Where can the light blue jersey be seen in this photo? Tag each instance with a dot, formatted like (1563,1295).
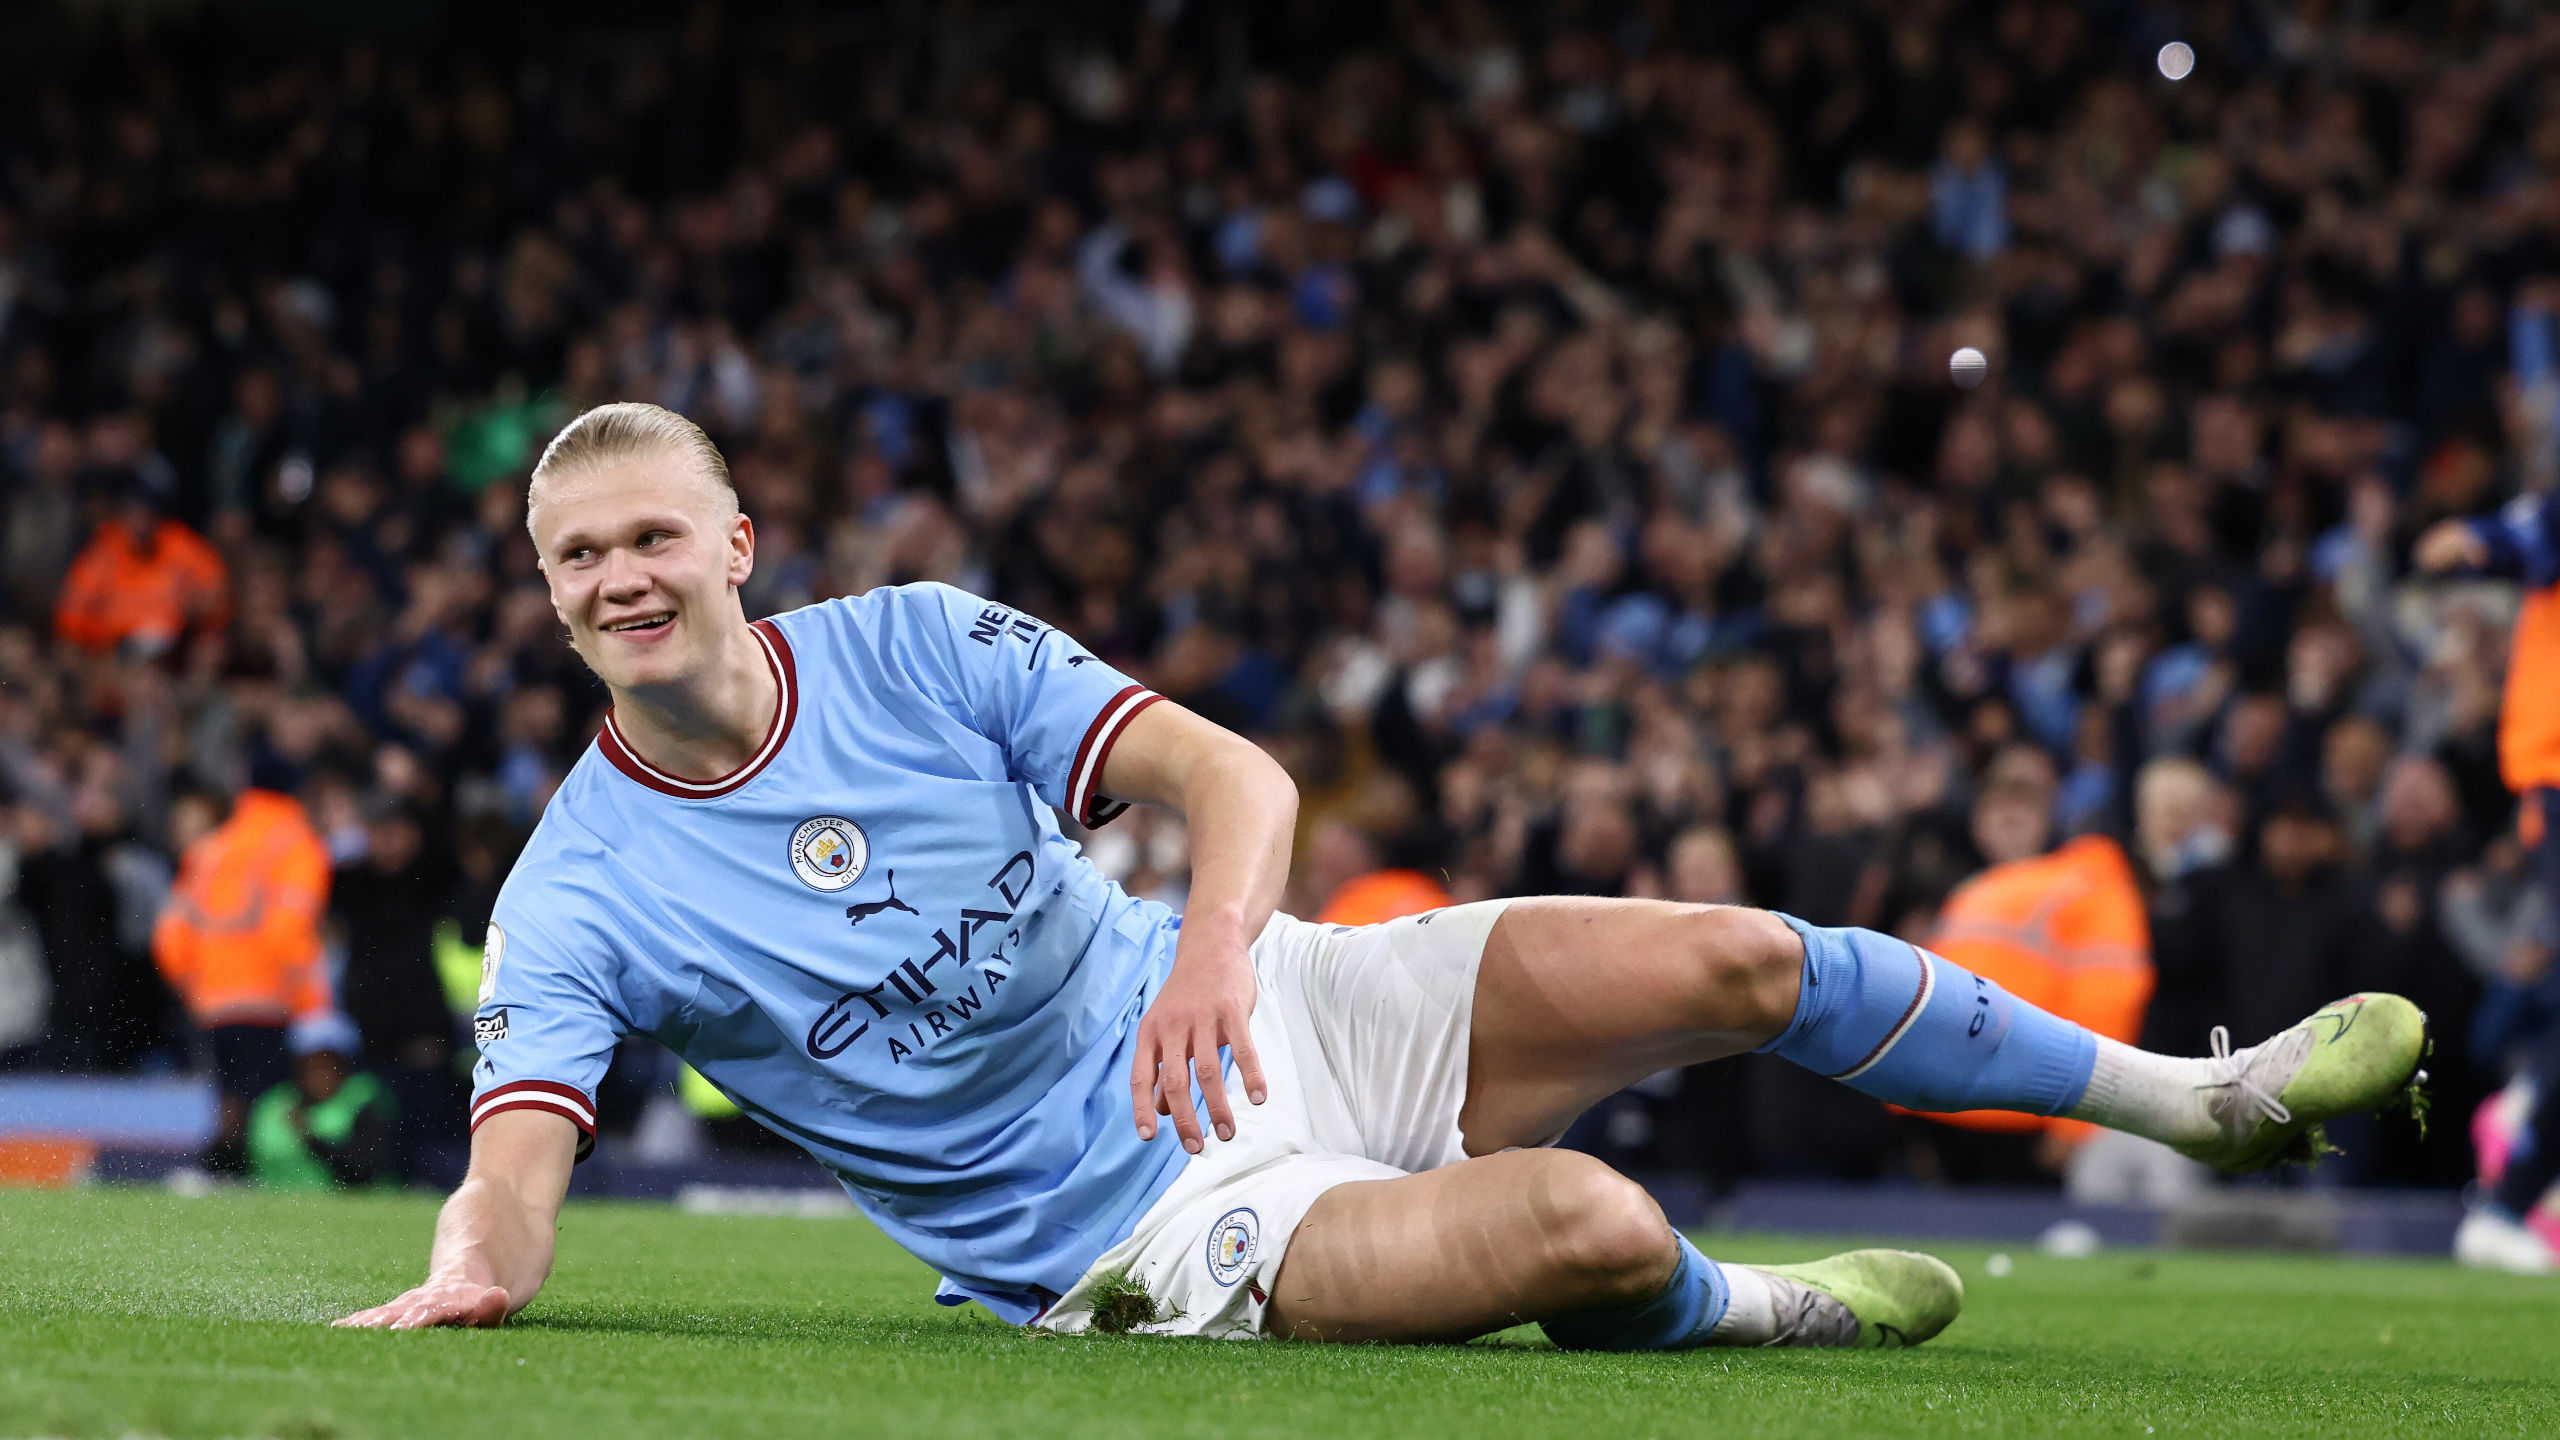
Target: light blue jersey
(872,937)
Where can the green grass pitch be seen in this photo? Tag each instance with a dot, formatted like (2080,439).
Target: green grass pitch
(139,1313)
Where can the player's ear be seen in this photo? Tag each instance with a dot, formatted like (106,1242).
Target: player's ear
(742,549)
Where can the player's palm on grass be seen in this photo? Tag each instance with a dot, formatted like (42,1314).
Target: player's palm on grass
(438,1302)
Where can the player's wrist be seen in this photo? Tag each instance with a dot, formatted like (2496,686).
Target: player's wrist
(1220,927)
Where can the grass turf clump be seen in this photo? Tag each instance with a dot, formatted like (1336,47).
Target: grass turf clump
(1121,1304)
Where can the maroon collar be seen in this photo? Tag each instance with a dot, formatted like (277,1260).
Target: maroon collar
(777,653)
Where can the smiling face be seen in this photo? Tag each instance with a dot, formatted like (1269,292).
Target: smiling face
(644,554)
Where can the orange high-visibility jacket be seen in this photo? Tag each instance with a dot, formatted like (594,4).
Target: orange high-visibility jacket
(2529,715)
(117,589)
(1382,895)
(240,939)
(2064,932)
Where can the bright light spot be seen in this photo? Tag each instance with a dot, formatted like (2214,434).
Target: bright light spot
(1967,366)
(2177,60)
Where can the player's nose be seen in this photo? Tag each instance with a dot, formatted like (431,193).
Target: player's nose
(621,577)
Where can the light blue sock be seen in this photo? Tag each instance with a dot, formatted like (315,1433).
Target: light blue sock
(1680,1318)
(1890,1020)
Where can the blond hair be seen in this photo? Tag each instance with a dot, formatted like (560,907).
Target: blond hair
(623,430)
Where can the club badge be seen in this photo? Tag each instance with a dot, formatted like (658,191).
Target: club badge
(1233,1243)
(829,852)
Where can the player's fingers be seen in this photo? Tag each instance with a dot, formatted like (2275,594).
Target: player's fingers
(1174,1079)
(422,1313)
(1142,1085)
(1213,1082)
(1248,1064)
(367,1319)
(490,1310)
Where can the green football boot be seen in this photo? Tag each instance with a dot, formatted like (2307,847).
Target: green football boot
(1864,1299)
(2356,1054)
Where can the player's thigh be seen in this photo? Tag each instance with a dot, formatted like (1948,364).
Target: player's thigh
(1467,1249)
(1578,998)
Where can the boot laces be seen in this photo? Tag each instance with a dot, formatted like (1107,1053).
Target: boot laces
(2234,1072)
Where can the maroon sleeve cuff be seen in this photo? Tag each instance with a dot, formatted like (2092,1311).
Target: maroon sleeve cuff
(1085,802)
(549,1095)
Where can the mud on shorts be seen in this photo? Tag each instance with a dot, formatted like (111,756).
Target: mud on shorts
(1362,1031)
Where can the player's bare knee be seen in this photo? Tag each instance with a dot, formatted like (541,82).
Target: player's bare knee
(1750,965)
(1603,1231)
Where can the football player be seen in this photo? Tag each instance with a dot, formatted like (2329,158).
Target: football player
(1080,1107)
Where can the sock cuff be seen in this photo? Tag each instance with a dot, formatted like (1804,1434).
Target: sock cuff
(2070,1071)
(1719,1292)
(1818,946)
(2102,1093)
(1681,1317)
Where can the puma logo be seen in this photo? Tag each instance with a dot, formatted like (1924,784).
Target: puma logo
(859,913)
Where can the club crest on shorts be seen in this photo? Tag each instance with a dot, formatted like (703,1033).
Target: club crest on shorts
(828,852)
(1233,1243)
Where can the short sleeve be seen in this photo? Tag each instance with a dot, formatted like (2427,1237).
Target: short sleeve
(1048,703)
(545,1030)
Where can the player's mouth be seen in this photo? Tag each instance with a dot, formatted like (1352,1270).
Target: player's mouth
(641,626)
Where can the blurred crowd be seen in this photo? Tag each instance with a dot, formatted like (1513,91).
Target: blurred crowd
(1533,423)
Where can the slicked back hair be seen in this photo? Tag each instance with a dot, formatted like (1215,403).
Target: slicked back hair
(623,430)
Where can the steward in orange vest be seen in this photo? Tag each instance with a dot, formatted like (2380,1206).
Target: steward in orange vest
(143,579)
(2064,931)
(240,942)
(240,939)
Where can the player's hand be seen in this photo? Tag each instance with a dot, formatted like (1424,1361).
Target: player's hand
(2449,545)
(454,1301)
(1205,1003)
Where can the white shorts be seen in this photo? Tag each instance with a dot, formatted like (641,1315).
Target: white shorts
(1362,1031)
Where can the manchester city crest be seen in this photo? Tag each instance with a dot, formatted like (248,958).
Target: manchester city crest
(829,852)
(1233,1243)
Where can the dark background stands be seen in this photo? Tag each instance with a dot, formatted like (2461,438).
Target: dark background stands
(1531,422)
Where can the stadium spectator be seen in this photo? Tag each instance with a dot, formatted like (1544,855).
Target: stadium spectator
(2284,923)
(2064,926)
(385,907)
(2524,541)
(330,1126)
(143,580)
(240,942)
(90,890)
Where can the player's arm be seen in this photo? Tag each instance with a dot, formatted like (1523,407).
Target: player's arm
(1242,809)
(2520,541)
(494,1237)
